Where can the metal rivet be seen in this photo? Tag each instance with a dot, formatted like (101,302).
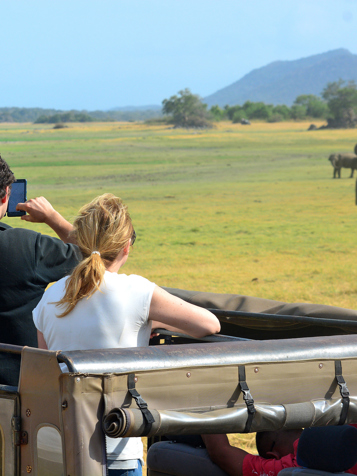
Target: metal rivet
(28,412)
(256,369)
(64,404)
(188,375)
(78,379)
(135,379)
(29,469)
(320,366)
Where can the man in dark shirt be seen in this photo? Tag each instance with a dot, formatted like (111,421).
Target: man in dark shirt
(29,261)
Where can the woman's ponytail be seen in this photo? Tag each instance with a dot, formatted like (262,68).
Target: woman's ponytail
(102,229)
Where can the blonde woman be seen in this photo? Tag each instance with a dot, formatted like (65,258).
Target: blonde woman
(97,308)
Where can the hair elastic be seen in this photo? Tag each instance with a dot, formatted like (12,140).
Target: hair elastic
(95,253)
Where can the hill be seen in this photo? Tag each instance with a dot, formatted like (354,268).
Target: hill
(281,82)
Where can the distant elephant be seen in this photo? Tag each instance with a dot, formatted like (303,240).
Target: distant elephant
(347,161)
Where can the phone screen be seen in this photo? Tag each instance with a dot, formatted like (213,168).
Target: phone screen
(17,195)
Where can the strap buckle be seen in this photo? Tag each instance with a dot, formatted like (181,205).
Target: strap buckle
(344,392)
(247,397)
(343,386)
(140,401)
(138,398)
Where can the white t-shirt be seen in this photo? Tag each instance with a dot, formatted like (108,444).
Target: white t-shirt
(114,317)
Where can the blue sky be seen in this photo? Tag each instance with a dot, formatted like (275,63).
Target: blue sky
(100,54)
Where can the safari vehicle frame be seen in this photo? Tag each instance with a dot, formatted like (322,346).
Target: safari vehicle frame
(280,366)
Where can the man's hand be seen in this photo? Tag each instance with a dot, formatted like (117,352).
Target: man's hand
(41,211)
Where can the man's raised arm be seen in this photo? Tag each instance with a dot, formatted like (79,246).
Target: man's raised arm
(41,211)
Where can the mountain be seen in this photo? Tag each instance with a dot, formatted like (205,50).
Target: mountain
(281,82)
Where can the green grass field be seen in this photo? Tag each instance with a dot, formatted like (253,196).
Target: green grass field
(249,210)
(213,210)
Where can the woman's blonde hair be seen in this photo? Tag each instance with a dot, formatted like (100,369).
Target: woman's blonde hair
(102,229)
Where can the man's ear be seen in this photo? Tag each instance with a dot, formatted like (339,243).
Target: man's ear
(273,455)
(3,200)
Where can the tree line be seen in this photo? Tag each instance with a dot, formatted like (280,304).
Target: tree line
(54,116)
(337,105)
(305,106)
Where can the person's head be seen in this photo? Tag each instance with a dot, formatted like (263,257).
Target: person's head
(103,231)
(276,444)
(103,225)
(7,178)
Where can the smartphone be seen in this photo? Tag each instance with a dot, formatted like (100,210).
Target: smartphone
(18,194)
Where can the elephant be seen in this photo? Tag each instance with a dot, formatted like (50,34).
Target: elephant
(347,161)
(355,149)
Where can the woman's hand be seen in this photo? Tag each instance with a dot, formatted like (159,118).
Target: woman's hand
(41,211)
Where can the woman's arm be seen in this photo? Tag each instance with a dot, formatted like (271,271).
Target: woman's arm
(178,315)
(41,341)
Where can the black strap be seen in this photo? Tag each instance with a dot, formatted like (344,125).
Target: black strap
(140,401)
(345,394)
(247,397)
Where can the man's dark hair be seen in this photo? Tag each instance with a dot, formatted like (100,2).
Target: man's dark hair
(264,441)
(267,441)
(7,178)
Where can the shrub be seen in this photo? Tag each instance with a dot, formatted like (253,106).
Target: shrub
(275,117)
(60,125)
(238,116)
(217,113)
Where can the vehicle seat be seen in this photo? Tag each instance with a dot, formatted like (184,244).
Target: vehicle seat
(306,472)
(167,458)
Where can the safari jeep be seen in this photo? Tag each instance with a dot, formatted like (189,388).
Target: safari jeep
(277,365)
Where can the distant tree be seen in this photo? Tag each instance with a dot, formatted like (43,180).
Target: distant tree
(62,117)
(257,110)
(341,97)
(275,117)
(81,117)
(6,117)
(283,111)
(232,110)
(42,119)
(238,115)
(298,111)
(186,110)
(217,113)
(315,107)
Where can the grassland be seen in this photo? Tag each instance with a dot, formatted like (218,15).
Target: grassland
(213,210)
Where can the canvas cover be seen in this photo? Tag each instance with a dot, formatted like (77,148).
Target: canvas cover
(273,328)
